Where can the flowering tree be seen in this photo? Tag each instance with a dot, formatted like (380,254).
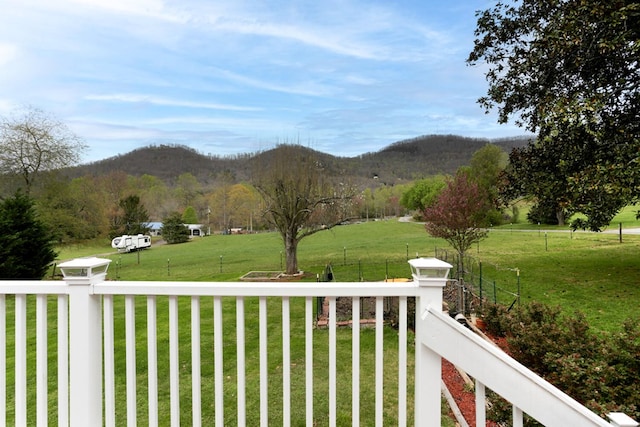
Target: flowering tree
(457,215)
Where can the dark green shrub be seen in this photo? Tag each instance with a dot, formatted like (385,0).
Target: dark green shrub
(600,371)
(173,230)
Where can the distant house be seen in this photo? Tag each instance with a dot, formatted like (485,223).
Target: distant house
(195,230)
(154,228)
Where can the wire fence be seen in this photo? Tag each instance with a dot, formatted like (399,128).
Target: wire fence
(475,283)
(472,283)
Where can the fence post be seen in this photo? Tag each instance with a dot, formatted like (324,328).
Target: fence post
(85,340)
(430,275)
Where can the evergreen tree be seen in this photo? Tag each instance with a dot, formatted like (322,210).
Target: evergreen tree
(26,244)
(132,219)
(173,230)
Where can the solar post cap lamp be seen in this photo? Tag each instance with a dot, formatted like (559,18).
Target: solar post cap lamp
(85,271)
(430,269)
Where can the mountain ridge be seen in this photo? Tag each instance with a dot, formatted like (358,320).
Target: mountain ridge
(401,161)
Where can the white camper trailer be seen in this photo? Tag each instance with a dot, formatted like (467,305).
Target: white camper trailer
(127,243)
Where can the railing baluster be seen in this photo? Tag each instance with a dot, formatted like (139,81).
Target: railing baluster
(517,416)
(81,357)
(41,360)
(109,371)
(355,361)
(481,404)
(130,333)
(402,362)
(264,377)
(308,350)
(379,361)
(152,359)
(332,362)
(63,360)
(196,408)
(218,348)
(240,363)
(3,360)
(21,360)
(174,362)
(286,363)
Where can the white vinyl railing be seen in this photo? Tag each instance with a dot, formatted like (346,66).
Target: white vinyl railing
(91,389)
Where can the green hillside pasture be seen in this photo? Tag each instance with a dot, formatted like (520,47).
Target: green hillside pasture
(626,217)
(590,272)
(375,246)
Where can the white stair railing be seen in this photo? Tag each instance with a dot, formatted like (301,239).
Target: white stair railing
(493,368)
(86,304)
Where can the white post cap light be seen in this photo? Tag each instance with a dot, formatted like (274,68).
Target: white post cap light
(430,270)
(85,271)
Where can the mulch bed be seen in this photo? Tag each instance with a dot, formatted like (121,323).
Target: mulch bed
(465,397)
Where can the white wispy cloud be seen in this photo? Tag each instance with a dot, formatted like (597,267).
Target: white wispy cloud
(7,52)
(350,74)
(156,100)
(308,88)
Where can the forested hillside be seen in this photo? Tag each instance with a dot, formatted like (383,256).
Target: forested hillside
(401,161)
(88,201)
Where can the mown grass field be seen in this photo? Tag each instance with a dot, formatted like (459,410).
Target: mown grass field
(591,272)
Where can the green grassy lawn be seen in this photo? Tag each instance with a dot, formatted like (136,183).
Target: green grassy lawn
(591,272)
(275,360)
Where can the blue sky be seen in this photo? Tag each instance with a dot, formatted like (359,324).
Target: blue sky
(345,77)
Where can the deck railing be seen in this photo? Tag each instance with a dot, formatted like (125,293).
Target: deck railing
(88,388)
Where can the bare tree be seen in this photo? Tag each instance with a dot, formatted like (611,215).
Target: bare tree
(299,198)
(32,141)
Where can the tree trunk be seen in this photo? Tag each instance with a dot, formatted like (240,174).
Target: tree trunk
(461,284)
(560,216)
(291,254)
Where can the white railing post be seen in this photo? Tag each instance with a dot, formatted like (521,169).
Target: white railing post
(85,340)
(430,275)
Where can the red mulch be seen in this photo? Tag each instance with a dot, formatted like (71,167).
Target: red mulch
(465,398)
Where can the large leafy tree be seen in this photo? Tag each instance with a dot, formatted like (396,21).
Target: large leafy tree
(299,199)
(73,209)
(485,168)
(568,71)
(535,173)
(26,244)
(32,141)
(189,215)
(423,193)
